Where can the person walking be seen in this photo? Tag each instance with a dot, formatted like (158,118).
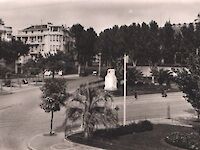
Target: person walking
(136,95)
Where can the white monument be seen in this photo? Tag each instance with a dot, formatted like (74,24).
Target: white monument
(110,80)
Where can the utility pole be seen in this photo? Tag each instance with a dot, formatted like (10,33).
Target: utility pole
(125,60)
(99,72)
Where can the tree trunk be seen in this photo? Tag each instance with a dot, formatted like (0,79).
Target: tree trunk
(51,127)
(79,69)
(86,133)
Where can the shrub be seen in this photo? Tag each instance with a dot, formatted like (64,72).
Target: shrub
(124,130)
(197,128)
(189,141)
(144,126)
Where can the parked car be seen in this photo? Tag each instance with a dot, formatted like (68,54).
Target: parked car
(47,73)
(60,73)
(94,72)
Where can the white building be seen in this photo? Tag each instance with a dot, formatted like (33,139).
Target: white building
(5,35)
(5,32)
(44,39)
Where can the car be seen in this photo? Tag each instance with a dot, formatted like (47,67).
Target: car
(47,73)
(60,73)
(94,72)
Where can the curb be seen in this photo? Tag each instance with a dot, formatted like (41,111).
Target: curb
(87,146)
(29,143)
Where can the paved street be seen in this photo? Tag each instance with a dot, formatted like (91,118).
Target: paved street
(154,106)
(21,117)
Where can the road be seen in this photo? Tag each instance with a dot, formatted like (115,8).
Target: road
(154,106)
(21,117)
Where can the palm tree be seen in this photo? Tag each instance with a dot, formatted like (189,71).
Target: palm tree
(93,107)
(162,76)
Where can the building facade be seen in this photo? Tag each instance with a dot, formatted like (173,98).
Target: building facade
(5,35)
(44,39)
(5,32)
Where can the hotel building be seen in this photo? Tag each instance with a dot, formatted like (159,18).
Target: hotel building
(5,32)
(44,39)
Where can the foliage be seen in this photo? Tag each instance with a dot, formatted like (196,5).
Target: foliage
(55,62)
(11,51)
(85,43)
(53,96)
(148,43)
(141,126)
(4,71)
(91,105)
(133,75)
(31,67)
(162,76)
(189,82)
(189,141)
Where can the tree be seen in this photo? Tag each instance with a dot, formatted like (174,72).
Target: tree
(31,67)
(188,81)
(77,31)
(133,75)
(167,39)
(89,48)
(153,43)
(55,62)
(11,51)
(92,106)
(162,76)
(53,97)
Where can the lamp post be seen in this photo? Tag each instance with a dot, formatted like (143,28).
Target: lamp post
(99,72)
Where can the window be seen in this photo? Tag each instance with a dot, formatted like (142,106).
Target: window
(50,37)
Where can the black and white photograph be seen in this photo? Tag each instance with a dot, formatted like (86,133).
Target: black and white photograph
(99,75)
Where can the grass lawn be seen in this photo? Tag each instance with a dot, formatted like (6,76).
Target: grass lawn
(148,140)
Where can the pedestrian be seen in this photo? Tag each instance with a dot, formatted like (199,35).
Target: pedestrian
(136,95)
(165,93)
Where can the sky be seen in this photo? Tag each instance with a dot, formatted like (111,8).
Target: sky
(99,14)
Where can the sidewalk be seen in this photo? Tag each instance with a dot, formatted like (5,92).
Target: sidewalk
(57,142)
(10,90)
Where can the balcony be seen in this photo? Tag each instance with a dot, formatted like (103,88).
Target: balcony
(32,42)
(33,52)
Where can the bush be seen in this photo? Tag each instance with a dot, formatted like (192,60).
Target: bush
(144,126)
(124,130)
(189,141)
(197,128)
